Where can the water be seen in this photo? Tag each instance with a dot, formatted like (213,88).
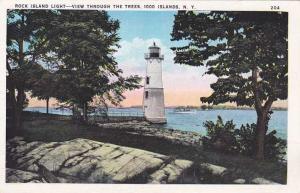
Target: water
(194,121)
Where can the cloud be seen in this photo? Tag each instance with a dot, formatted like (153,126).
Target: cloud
(131,55)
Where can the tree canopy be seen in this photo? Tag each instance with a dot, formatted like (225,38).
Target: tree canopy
(85,46)
(247,51)
(73,49)
(25,31)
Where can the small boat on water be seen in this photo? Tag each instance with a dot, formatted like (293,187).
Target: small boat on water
(184,110)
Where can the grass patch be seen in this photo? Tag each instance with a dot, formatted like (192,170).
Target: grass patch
(54,130)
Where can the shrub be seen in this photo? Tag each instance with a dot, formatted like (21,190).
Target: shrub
(220,136)
(227,138)
(245,137)
(275,147)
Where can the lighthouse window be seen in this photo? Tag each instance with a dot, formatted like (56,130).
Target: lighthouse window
(147,80)
(154,55)
(146,94)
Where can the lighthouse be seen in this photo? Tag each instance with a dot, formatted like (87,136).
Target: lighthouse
(153,101)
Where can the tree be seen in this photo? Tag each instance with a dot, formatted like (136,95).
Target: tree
(44,86)
(247,51)
(85,46)
(79,46)
(25,46)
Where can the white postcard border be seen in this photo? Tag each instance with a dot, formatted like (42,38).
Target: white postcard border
(293,185)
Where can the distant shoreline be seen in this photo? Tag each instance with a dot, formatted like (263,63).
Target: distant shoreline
(193,108)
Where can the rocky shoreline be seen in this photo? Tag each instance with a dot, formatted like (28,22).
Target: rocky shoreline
(87,161)
(143,128)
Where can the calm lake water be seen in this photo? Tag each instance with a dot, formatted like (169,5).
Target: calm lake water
(194,121)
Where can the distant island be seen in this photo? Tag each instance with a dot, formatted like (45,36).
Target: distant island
(207,107)
(213,107)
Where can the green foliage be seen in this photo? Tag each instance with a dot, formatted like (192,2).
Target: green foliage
(25,49)
(246,138)
(85,46)
(64,54)
(275,147)
(226,137)
(43,84)
(246,51)
(221,136)
(232,45)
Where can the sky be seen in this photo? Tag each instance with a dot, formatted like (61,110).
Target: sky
(183,85)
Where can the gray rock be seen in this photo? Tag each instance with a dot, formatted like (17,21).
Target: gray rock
(15,139)
(213,169)
(54,159)
(170,173)
(239,181)
(262,181)
(83,160)
(16,176)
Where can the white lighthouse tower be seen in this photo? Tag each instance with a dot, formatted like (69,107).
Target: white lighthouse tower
(153,102)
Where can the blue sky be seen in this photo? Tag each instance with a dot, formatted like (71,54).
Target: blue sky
(183,85)
(145,24)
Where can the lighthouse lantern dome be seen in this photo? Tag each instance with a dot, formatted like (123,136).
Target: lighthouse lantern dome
(154,52)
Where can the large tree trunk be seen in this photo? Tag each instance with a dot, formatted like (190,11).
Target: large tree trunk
(262,116)
(16,100)
(260,134)
(11,109)
(20,99)
(261,128)
(19,109)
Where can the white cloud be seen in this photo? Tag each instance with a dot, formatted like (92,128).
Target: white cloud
(131,55)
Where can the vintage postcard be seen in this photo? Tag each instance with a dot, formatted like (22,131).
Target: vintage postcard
(130,96)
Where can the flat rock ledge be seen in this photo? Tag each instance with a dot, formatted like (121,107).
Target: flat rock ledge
(143,128)
(87,161)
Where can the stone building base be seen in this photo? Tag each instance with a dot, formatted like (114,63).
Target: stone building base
(157,120)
